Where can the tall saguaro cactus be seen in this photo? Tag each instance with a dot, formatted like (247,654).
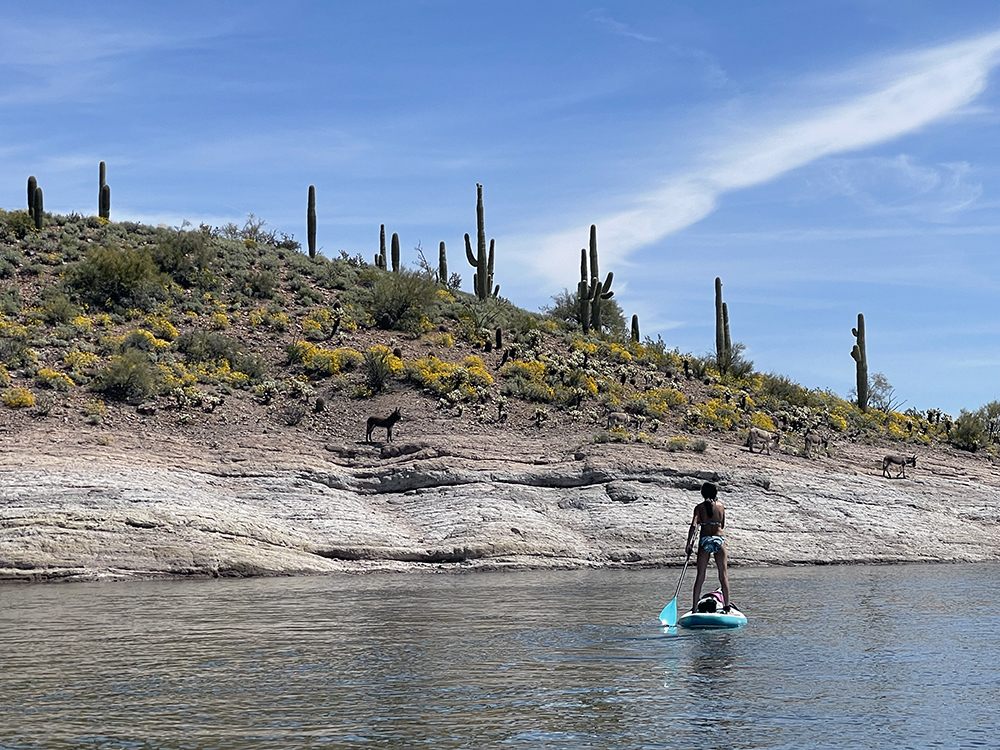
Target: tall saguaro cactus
(311,221)
(482,279)
(32,184)
(442,264)
(380,258)
(723,343)
(103,192)
(635,329)
(860,356)
(102,180)
(591,292)
(395,252)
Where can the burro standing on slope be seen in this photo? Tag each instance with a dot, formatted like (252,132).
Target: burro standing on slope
(707,524)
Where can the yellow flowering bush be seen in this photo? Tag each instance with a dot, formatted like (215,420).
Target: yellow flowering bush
(715,414)
(323,362)
(4,376)
(838,419)
(82,323)
(465,382)
(762,421)
(175,375)
(219,321)
(49,378)
(656,402)
(161,327)
(394,363)
(580,345)
(81,364)
(527,380)
(18,398)
(140,338)
(277,321)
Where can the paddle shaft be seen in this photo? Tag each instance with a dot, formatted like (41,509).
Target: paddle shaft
(683,571)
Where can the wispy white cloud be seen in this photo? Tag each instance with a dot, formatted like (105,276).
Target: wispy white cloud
(60,59)
(617,27)
(902,186)
(924,87)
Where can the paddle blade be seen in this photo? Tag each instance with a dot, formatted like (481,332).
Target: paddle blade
(668,616)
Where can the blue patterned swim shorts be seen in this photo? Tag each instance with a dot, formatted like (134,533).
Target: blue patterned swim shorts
(712,544)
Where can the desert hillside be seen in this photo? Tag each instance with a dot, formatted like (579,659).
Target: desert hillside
(194,402)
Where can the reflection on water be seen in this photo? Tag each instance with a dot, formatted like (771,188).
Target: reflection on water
(831,658)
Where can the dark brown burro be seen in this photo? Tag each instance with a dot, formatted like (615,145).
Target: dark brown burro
(900,462)
(386,422)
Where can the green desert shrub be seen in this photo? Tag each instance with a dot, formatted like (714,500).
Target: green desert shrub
(119,279)
(186,256)
(129,376)
(210,346)
(969,432)
(15,224)
(401,300)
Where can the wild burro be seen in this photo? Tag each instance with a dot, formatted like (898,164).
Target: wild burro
(897,461)
(759,437)
(815,442)
(386,422)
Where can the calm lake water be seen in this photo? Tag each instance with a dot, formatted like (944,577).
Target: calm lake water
(854,657)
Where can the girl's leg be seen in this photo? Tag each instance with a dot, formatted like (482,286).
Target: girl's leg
(699,579)
(720,563)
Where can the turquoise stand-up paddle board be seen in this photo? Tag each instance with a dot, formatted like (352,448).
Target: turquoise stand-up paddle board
(695,620)
(709,614)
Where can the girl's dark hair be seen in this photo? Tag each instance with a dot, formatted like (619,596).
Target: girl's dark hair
(709,491)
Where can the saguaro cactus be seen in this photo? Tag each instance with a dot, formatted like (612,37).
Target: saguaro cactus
(38,208)
(590,289)
(380,258)
(723,343)
(102,174)
(105,207)
(442,264)
(32,184)
(311,221)
(482,279)
(635,328)
(395,253)
(861,358)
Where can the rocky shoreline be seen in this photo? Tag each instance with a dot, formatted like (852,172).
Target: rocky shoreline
(135,506)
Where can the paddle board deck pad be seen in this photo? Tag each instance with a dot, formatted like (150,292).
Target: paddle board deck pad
(703,620)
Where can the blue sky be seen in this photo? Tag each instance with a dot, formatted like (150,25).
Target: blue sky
(823,158)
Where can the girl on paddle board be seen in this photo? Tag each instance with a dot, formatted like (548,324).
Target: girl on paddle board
(708,522)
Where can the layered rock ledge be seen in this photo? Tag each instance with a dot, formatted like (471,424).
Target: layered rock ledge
(136,506)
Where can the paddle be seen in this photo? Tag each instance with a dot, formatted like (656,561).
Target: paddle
(668,615)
